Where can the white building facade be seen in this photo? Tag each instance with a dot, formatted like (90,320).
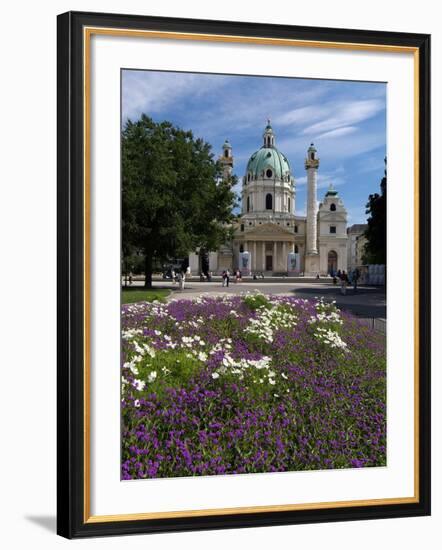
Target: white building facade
(268,237)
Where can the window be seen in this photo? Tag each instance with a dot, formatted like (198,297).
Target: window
(296,228)
(226,153)
(333,207)
(269,173)
(248,177)
(242,227)
(269,201)
(296,249)
(248,204)
(333,229)
(241,248)
(289,204)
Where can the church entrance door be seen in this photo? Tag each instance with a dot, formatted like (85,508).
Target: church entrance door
(332,263)
(269,263)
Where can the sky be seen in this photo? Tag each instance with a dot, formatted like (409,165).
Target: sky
(346,121)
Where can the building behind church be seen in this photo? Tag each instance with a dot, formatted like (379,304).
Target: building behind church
(269,238)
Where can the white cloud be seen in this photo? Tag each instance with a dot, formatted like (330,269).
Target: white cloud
(345,113)
(152,91)
(339,132)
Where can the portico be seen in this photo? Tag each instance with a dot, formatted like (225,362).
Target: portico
(269,246)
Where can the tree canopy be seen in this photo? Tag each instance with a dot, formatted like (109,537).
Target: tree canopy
(174,199)
(376,232)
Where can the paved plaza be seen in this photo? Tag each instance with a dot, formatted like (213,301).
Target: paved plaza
(367,301)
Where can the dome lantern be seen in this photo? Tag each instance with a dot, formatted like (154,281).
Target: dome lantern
(268,135)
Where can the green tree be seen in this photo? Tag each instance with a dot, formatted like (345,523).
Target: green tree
(376,232)
(174,199)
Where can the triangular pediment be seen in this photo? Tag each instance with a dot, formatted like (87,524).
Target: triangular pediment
(267,229)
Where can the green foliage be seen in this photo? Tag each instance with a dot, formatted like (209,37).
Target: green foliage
(173,197)
(256,301)
(376,233)
(171,369)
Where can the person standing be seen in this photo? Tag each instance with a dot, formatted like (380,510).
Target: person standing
(227,277)
(224,277)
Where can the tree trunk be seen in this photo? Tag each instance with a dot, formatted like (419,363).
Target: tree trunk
(148,271)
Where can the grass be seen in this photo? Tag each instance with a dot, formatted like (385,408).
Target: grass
(132,295)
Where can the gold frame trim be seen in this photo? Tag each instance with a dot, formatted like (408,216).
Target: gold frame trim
(88,32)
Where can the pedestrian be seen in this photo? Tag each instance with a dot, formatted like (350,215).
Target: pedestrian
(227,277)
(356,275)
(344,282)
(181,279)
(130,278)
(236,275)
(224,277)
(173,276)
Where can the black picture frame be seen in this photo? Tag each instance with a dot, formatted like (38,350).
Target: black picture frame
(72,520)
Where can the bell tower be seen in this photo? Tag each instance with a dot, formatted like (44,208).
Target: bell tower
(226,160)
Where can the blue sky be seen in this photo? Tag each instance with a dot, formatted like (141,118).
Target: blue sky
(346,120)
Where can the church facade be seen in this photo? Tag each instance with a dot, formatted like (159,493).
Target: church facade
(269,238)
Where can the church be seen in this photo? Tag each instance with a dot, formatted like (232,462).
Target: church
(269,238)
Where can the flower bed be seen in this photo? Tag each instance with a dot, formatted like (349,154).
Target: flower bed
(241,384)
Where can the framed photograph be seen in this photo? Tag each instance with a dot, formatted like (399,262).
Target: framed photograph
(243,314)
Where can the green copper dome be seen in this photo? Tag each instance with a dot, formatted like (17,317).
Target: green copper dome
(265,159)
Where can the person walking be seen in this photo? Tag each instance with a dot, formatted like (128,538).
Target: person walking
(344,282)
(181,279)
(356,275)
(227,277)
(224,276)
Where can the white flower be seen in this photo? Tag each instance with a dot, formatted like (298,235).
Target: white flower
(152,376)
(139,385)
(202,356)
(137,403)
(272,381)
(215,375)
